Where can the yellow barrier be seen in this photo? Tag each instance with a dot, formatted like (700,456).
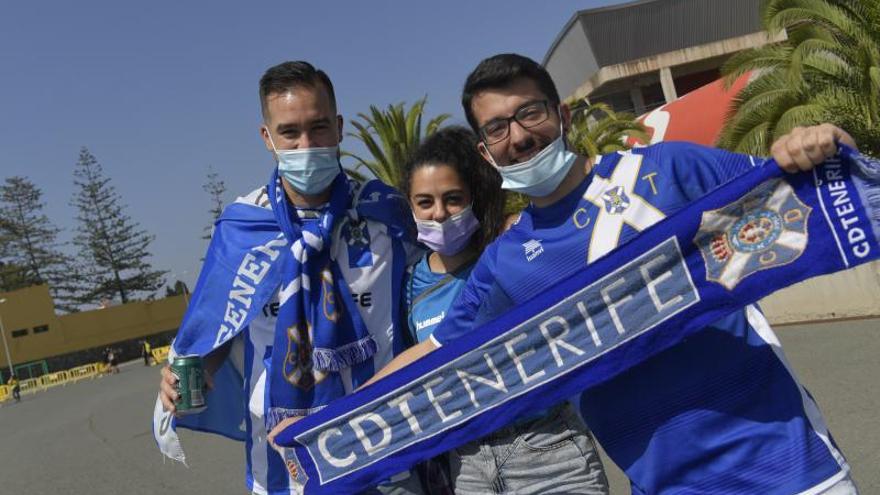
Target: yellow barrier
(68,376)
(30,385)
(81,372)
(54,379)
(160,354)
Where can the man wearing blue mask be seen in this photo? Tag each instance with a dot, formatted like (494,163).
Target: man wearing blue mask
(721,412)
(297,302)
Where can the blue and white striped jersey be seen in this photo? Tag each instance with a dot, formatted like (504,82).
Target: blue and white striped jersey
(720,413)
(365,254)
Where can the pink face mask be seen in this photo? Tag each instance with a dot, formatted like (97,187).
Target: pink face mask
(451,236)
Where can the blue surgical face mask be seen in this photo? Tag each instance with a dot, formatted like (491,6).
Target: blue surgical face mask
(311,170)
(541,174)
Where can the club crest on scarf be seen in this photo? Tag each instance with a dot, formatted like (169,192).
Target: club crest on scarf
(293,467)
(328,300)
(298,365)
(764,229)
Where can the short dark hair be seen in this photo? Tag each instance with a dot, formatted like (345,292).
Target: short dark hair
(456,147)
(288,75)
(500,71)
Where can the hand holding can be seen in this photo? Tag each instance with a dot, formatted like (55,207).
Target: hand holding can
(190,384)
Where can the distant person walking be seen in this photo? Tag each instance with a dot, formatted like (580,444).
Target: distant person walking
(111,360)
(145,352)
(16,389)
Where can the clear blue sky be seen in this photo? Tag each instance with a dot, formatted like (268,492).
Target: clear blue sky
(160,90)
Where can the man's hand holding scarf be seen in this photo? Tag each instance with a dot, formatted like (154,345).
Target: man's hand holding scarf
(323,442)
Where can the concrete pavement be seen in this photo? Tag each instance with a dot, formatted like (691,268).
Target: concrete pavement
(94,437)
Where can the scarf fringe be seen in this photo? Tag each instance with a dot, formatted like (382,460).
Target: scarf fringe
(345,356)
(279,414)
(869,188)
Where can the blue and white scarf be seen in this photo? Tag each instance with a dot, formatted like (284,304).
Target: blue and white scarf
(254,251)
(757,234)
(319,331)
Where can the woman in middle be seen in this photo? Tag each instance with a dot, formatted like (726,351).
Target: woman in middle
(458,205)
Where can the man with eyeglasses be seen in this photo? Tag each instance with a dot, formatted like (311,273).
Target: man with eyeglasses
(721,412)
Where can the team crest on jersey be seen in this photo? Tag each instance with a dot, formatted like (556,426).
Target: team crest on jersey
(357,234)
(764,229)
(616,201)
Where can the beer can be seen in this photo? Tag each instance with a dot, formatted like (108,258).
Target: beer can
(190,384)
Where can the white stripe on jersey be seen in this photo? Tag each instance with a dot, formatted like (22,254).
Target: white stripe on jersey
(377,280)
(759,323)
(839,484)
(259,337)
(257,197)
(638,214)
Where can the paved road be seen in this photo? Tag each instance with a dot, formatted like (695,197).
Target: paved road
(94,437)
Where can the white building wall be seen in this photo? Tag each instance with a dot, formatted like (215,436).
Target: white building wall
(851,294)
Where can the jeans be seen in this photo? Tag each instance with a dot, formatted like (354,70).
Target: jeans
(551,454)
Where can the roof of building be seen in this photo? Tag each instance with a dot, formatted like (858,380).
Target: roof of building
(629,31)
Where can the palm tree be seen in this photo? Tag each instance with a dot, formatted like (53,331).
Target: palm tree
(390,136)
(596,129)
(827,70)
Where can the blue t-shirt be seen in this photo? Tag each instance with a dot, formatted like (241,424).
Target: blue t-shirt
(719,413)
(429,295)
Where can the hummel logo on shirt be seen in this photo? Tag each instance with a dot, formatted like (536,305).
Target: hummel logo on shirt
(533,249)
(430,321)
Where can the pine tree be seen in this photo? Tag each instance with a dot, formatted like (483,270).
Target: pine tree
(30,248)
(215,187)
(114,250)
(12,277)
(178,289)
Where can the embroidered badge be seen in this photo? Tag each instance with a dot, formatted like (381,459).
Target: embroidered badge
(357,236)
(764,229)
(616,200)
(293,468)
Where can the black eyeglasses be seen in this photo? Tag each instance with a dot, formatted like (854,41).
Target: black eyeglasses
(528,115)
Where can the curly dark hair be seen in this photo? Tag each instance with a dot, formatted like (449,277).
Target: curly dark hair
(456,147)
